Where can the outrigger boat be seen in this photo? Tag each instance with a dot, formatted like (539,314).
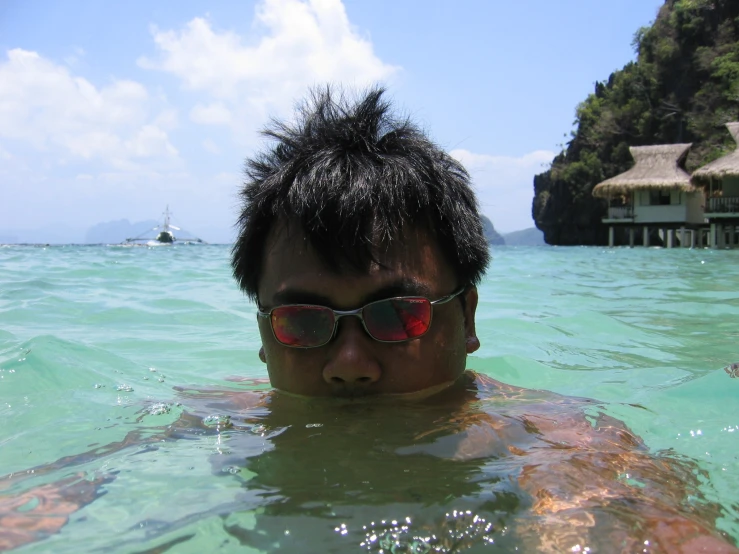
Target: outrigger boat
(164,234)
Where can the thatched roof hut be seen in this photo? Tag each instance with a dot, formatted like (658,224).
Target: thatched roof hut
(657,167)
(726,166)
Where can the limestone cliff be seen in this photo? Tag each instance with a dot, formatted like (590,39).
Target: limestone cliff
(683,87)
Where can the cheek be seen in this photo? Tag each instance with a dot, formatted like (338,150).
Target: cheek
(265,333)
(438,357)
(449,349)
(273,351)
(291,369)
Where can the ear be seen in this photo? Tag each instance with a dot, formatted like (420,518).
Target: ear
(262,356)
(472,343)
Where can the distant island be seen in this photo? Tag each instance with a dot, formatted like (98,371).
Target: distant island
(491,235)
(117,231)
(109,232)
(683,87)
(114,232)
(526,237)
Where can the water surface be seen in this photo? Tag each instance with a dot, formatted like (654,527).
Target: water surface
(103,350)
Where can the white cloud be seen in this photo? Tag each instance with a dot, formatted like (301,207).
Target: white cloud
(67,117)
(228,177)
(73,59)
(66,134)
(167,119)
(150,141)
(297,44)
(210,146)
(84,151)
(212,114)
(505,185)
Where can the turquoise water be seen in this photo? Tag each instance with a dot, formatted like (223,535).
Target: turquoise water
(104,346)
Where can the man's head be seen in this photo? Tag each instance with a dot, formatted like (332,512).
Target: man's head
(350,206)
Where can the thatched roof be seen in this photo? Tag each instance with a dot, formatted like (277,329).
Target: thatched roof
(727,166)
(658,167)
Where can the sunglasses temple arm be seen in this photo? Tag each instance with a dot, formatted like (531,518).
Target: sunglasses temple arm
(449,298)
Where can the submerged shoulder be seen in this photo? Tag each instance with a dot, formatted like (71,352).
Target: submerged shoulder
(566,421)
(229,399)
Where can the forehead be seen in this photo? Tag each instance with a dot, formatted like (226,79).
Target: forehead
(290,263)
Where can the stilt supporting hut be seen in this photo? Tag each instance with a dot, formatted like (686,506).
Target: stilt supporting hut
(720,181)
(655,198)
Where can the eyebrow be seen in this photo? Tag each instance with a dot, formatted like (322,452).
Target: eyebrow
(402,287)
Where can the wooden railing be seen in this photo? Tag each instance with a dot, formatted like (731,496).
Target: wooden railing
(723,205)
(621,212)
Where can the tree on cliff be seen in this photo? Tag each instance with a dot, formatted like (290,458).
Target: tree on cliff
(683,87)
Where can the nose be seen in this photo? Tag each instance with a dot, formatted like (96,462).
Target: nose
(352,366)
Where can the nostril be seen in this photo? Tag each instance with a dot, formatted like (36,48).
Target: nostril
(343,373)
(341,381)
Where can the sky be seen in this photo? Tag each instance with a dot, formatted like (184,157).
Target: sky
(114,110)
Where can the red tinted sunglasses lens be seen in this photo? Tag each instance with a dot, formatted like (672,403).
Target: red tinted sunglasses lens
(303,325)
(397,319)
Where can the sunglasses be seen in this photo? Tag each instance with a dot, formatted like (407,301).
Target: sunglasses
(391,320)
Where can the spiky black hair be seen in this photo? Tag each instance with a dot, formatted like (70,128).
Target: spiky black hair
(352,176)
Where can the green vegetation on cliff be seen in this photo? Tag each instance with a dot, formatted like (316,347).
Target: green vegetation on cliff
(683,87)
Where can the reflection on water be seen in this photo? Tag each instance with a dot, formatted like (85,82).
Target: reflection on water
(480,465)
(483,465)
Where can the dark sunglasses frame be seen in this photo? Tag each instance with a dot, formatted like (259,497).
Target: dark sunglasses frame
(338,314)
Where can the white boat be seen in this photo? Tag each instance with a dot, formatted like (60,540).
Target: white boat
(164,234)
